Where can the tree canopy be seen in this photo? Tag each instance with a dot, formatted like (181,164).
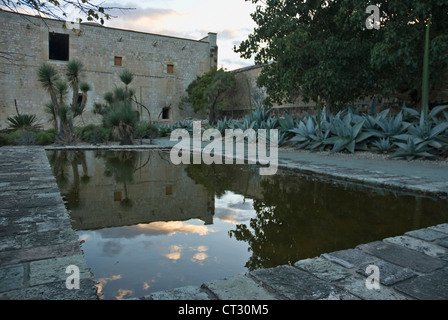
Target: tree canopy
(209,91)
(323,51)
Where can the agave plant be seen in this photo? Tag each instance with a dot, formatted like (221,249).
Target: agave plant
(428,130)
(392,126)
(382,145)
(412,150)
(303,132)
(287,123)
(260,115)
(347,136)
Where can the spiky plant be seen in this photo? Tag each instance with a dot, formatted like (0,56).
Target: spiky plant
(73,74)
(121,119)
(48,78)
(412,150)
(23,122)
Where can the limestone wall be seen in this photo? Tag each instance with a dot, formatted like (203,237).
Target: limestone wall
(24,42)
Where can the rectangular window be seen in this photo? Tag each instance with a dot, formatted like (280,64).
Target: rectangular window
(118,61)
(170,68)
(166,113)
(58,46)
(169,190)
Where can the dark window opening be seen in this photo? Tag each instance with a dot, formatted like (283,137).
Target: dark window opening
(169,190)
(118,61)
(58,46)
(166,113)
(170,68)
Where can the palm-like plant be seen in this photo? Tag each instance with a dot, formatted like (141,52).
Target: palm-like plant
(48,77)
(117,112)
(73,74)
(23,121)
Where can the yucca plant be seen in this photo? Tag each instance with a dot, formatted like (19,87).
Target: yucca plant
(73,74)
(48,77)
(121,119)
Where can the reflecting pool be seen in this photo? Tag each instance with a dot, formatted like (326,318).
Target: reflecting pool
(147,225)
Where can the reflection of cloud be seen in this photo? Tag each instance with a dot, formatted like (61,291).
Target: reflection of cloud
(201,254)
(122,293)
(103,281)
(234,208)
(175,253)
(154,229)
(199,257)
(172,227)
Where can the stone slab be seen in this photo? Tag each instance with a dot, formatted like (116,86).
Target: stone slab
(389,274)
(239,287)
(433,286)
(293,283)
(357,286)
(402,256)
(427,234)
(425,247)
(349,258)
(53,291)
(440,228)
(183,293)
(12,277)
(53,270)
(323,269)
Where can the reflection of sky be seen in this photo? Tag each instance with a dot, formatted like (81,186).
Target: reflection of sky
(135,260)
(234,208)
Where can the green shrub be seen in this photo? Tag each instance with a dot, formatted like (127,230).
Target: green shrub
(144,130)
(45,138)
(95,134)
(23,138)
(4,139)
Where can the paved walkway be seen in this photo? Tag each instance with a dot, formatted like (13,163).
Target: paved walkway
(37,242)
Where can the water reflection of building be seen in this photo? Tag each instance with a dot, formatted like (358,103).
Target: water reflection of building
(135,188)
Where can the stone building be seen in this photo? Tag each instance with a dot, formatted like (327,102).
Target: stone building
(247,95)
(163,66)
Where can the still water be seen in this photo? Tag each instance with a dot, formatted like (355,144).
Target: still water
(147,225)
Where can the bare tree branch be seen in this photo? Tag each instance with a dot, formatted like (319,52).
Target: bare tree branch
(60,9)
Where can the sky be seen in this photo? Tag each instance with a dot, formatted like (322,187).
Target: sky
(192,19)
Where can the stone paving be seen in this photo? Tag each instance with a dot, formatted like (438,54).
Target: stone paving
(37,244)
(409,267)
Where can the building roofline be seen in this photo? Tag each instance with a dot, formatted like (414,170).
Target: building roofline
(90,24)
(254,66)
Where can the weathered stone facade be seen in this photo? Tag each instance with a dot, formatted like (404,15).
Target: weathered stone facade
(163,66)
(247,95)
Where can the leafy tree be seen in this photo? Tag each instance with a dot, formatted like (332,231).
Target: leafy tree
(323,51)
(209,91)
